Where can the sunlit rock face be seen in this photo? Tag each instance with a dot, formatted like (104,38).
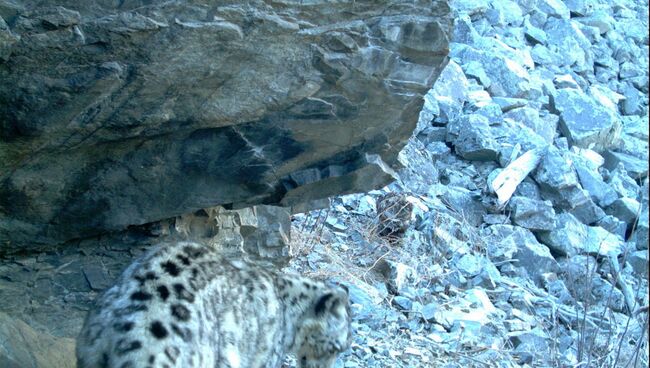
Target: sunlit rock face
(119,113)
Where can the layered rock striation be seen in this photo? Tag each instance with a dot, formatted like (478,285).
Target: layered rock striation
(115,114)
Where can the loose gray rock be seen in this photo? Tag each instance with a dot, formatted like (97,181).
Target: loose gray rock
(585,122)
(469,265)
(533,345)
(641,231)
(504,13)
(625,209)
(639,262)
(632,104)
(554,175)
(530,255)
(622,183)
(554,8)
(586,285)
(403,302)
(559,183)
(579,203)
(23,346)
(557,288)
(400,278)
(532,214)
(593,182)
(463,202)
(7,39)
(572,237)
(472,138)
(533,34)
(508,103)
(428,311)
(531,118)
(613,225)
(637,168)
(571,44)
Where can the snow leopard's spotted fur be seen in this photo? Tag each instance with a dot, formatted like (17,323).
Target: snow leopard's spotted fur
(184,305)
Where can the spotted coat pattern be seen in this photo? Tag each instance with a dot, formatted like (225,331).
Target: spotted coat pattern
(184,305)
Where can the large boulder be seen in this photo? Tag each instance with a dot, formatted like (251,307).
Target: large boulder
(115,114)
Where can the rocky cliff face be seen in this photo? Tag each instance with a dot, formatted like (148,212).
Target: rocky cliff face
(122,113)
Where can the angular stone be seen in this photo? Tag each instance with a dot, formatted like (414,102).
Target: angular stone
(622,183)
(261,232)
(557,288)
(399,277)
(508,103)
(533,34)
(533,345)
(511,132)
(488,277)
(565,81)
(632,104)
(491,111)
(579,7)
(585,122)
(7,39)
(532,214)
(625,209)
(581,276)
(599,19)
(606,97)
(428,311)
(504,13)
(472,138)
(642,228)
(543,55)
(23,346)
(145,112)
(363,298)
(553,173)
(571,237)
(613,225)
(529,254)
(579,203)
(554,8)
(452,83)
(572,45)
(469,265)
(593,183)
(604,292)
(530,118)
(96,276)
(465,202)
(635,167)
(509,79)
(493,219)
(475,70)
(403,303)
(464,31)
(639,262)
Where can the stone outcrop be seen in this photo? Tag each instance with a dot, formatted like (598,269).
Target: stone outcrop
(22,346)
(118,114)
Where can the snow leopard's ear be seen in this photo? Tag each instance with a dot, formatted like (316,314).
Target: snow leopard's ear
(334,301)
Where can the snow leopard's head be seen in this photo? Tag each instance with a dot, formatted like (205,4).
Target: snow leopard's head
(326,330)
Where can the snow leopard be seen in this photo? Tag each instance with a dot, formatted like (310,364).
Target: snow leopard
(185,305)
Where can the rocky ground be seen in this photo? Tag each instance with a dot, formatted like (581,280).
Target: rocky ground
(517,234)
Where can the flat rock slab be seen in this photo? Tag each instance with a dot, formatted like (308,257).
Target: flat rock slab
(585,122)
(117,115)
